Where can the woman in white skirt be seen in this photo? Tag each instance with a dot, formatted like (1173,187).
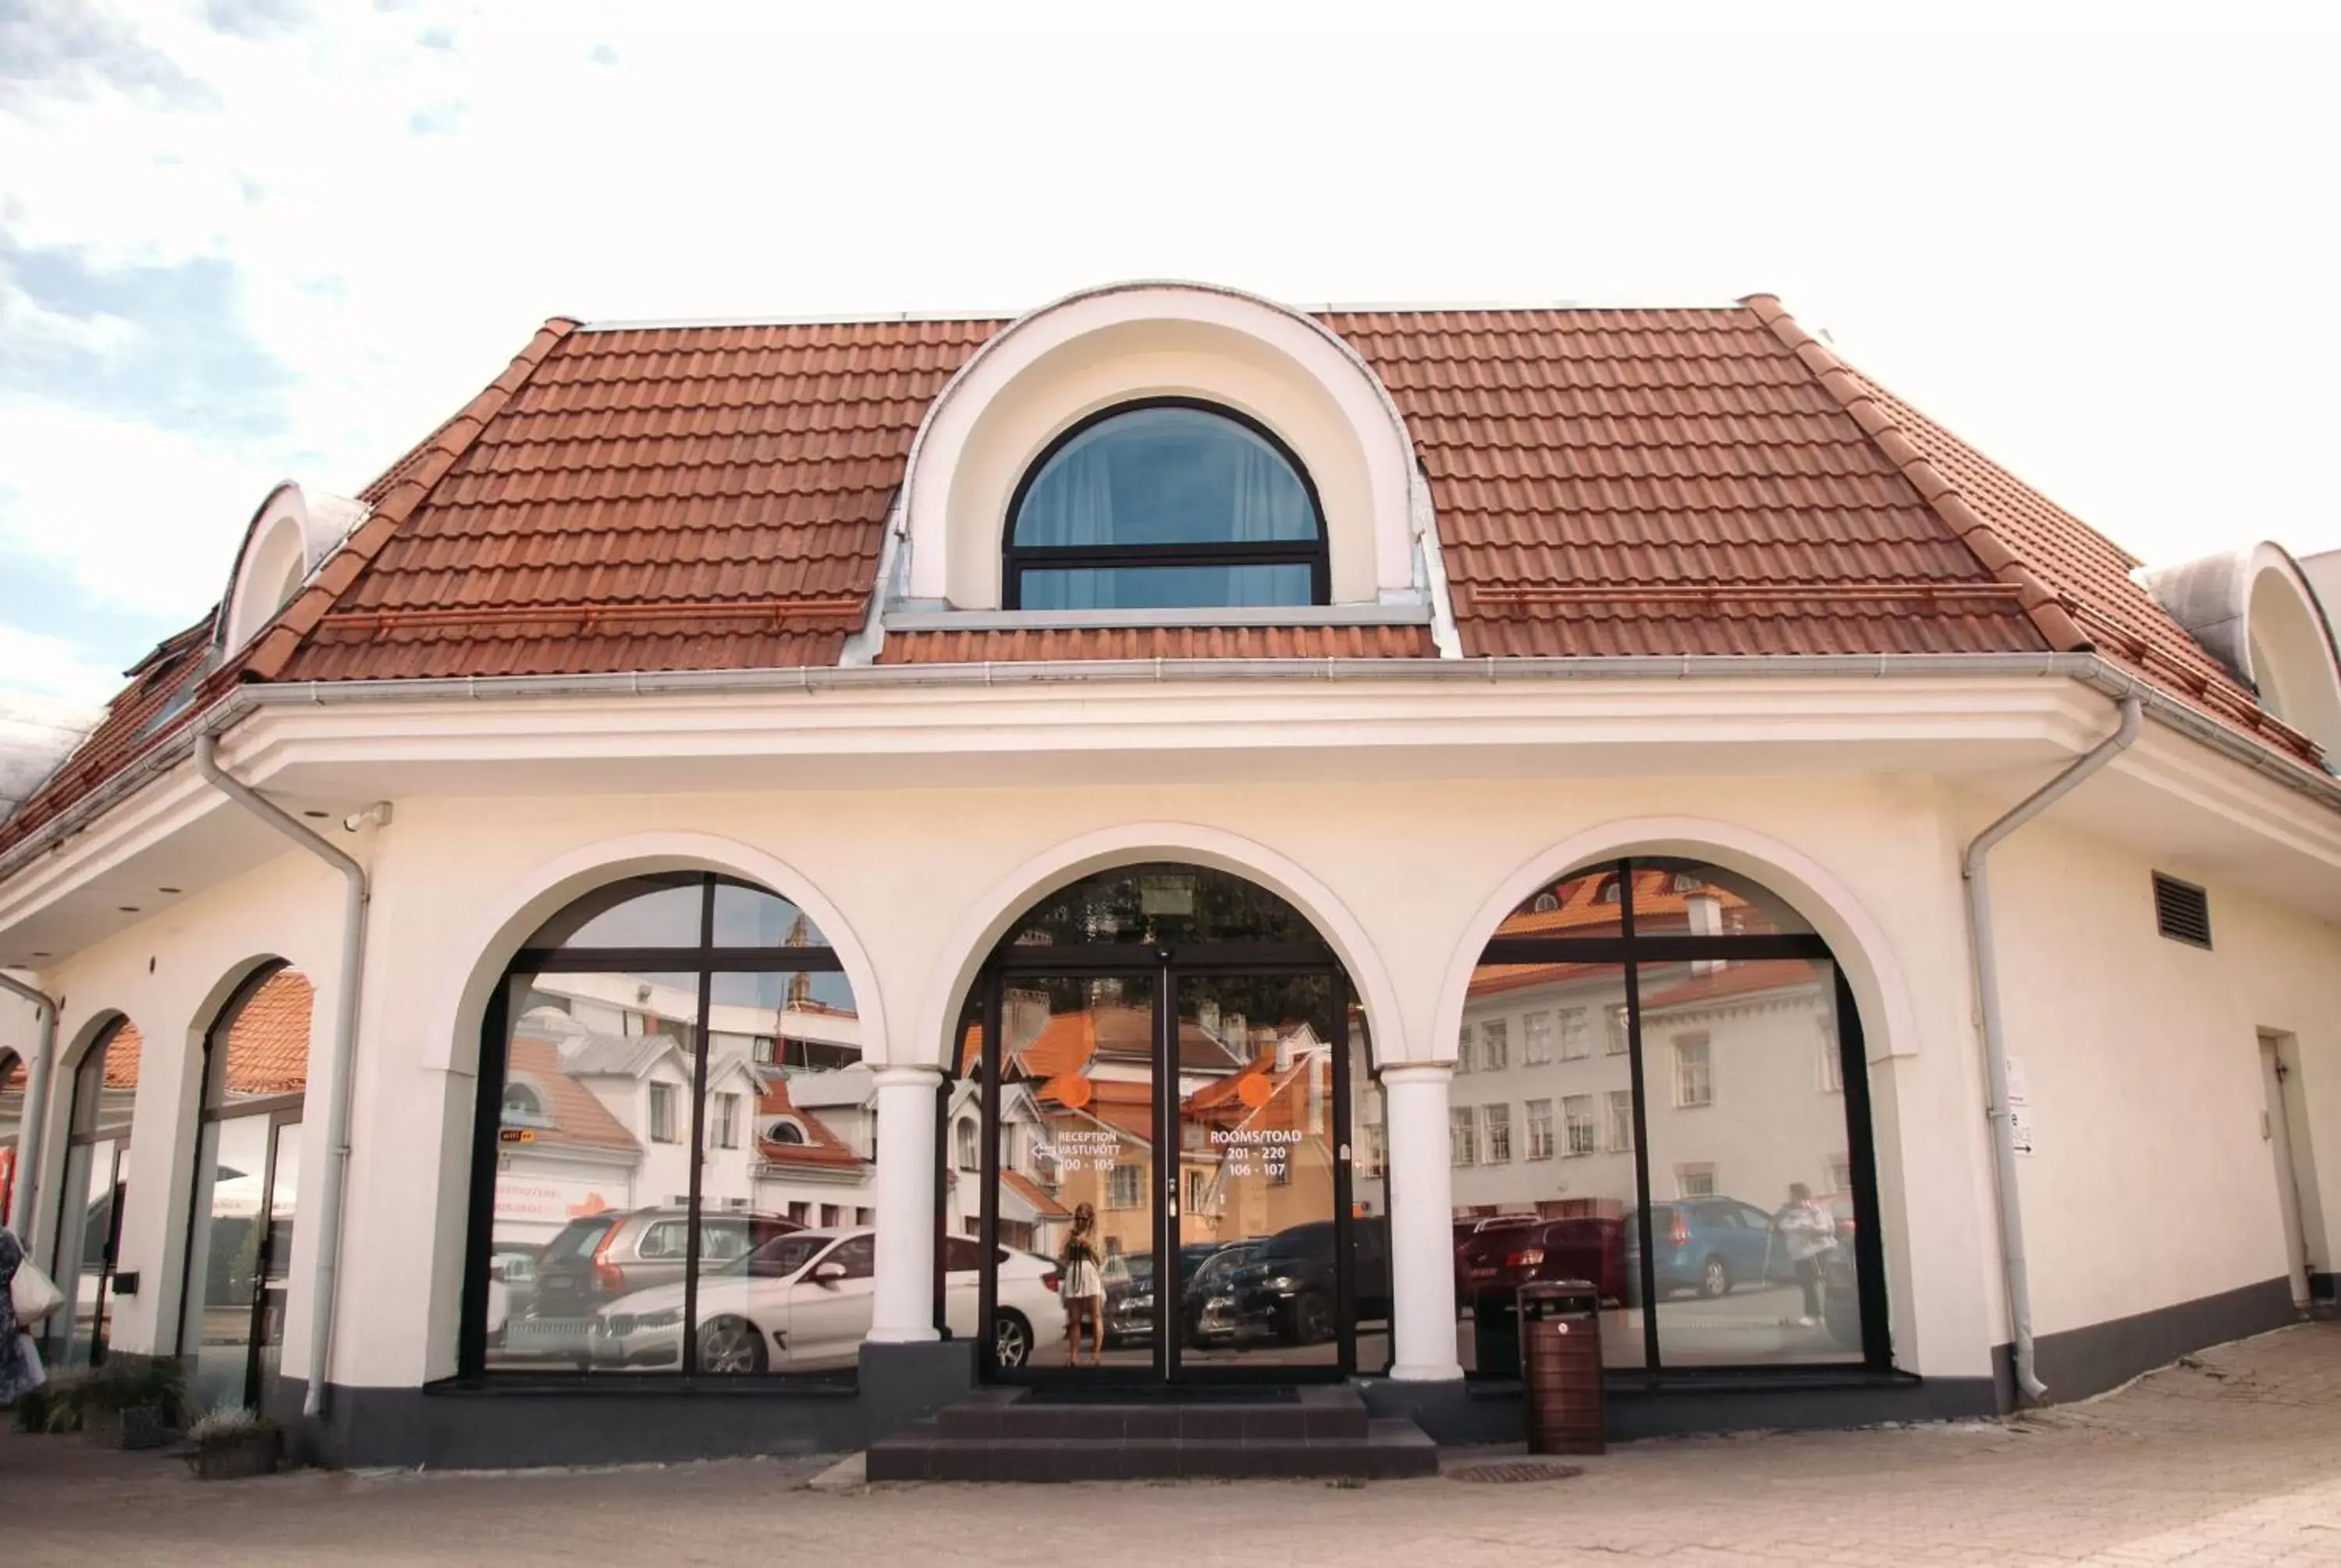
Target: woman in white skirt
(1081,1286)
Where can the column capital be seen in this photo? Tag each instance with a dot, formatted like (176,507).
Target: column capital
(907,1075)
(1399,1074)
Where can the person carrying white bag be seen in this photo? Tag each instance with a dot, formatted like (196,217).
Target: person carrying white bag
(27,1297)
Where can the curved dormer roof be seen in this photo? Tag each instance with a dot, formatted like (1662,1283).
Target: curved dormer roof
(2255,612)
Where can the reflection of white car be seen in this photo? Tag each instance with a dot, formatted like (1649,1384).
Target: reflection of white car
(802,1301)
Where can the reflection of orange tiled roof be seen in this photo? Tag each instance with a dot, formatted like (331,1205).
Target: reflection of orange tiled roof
(1740,979)
(268,1043)
(822,1147)
(1031,1192)
(1070,1041)
(577,1116)
(1659,908)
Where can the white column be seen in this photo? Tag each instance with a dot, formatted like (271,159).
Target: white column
(902,1297)
(1421,1220)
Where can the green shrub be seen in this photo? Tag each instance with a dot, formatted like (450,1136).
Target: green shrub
(148,1384)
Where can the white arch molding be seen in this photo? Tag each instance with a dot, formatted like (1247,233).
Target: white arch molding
(478,963)
(1857,941)
(1100,347)
(1138,843)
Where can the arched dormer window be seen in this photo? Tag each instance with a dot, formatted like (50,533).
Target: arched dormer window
(1161,505)
(524,1107)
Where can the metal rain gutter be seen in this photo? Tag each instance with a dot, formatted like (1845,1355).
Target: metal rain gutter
(1973,871)
(21,1209)
(343,1048)
(2086,669)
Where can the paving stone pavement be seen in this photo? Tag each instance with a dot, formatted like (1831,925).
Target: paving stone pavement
(2233,1456)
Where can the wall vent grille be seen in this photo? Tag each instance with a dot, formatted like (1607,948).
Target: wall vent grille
(2182,911)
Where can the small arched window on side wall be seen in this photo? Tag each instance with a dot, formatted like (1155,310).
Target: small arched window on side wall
(1168,503)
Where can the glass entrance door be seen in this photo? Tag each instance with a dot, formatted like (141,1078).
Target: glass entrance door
(245,1199)
(1166,1183)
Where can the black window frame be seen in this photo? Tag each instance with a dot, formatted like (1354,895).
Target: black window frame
(1632,949)
(702,960)
(1016,559)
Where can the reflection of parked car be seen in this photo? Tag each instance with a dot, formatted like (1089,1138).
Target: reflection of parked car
(1710,1245)
(801,1301)
(1129,1291)
(514,1268)
(1130,1299)
(1290,1288)
(1500,1260)
(598,1258)
(1208,1309)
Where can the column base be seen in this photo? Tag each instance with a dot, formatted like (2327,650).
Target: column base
(925,1336)
(1426,1372)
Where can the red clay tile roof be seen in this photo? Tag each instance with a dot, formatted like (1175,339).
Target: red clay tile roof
(1668,481)
(1605,482)
(668,499)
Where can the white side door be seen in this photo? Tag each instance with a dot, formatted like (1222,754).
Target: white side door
(828,1321)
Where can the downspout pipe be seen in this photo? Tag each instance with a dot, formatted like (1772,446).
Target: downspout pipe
(344,1054)
(21,1202)
(1974,873)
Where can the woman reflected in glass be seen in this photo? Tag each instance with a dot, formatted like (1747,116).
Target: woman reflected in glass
(1081,1287)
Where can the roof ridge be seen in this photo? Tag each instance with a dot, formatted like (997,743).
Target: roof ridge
(446,448)
(2047,610)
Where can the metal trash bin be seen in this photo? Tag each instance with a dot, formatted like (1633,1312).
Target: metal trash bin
(1560,1363)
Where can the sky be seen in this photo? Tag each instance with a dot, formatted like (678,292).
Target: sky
(244,240)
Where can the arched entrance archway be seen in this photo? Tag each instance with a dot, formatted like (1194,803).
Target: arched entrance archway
(1169,1080)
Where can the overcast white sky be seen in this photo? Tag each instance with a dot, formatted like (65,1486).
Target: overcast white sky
(246,240)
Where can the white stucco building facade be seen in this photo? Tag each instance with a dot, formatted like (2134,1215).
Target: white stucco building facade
(1389,759)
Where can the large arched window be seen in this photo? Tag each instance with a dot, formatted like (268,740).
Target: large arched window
(1667,1096)
(89,1206)
(1165,504)
(247,1183)
(670,1087)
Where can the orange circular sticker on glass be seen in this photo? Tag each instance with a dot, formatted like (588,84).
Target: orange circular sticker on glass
(1072,1091)
(1254,1090)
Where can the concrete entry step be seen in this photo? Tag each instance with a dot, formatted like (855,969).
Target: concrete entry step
(1006,1434)
(1286,1414)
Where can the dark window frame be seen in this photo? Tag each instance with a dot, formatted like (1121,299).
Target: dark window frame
(702,961)
(1632,949)
(83,1131)
(1017,559)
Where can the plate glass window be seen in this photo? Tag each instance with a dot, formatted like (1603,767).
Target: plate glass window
(1720,1186)
(1165,504)
(671,1086)
(246,1190)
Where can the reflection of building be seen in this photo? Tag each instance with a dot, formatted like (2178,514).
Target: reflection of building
(1471,609)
